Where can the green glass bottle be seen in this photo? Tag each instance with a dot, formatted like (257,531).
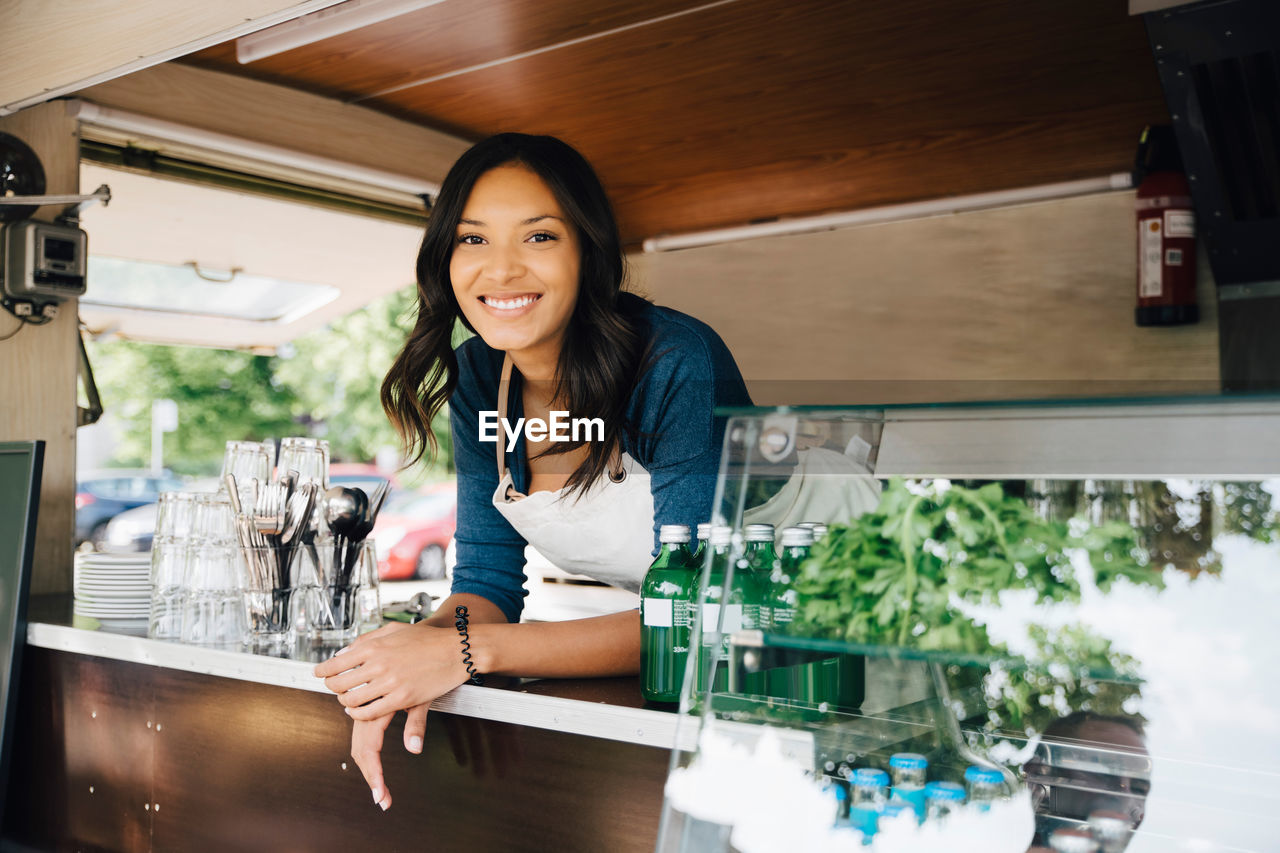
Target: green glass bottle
(761,562)
(836,681)
(666,610)
(704,536)
(795,543)
(713,649)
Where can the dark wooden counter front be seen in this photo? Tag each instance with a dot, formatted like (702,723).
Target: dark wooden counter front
(117,755)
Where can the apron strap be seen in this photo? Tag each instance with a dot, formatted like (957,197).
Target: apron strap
(616,472)
(504,393)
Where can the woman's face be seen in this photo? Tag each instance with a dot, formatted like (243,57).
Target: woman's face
(515,264)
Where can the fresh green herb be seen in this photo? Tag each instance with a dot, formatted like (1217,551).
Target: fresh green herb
(893,576)
(888,576)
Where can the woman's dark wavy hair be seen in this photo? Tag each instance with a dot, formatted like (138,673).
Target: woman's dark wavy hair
(603,348)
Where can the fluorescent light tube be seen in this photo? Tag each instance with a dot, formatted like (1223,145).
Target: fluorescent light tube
(892,213)
(321,25)
(161,130)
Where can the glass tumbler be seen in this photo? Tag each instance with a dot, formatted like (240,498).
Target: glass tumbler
(168,588)
(246,460)
(308,456)
(368,596)
(175,513)
(213,611)
(213,521)
(342,593)
(270,600)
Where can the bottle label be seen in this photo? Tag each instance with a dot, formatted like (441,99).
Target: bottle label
(711,616)
(658,612)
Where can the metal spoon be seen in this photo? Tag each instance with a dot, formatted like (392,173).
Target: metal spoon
(341,510)
(343,513)
(371,512)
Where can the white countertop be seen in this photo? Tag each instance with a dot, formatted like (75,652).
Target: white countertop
(573,716)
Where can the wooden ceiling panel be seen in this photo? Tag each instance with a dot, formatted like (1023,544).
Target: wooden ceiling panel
(439,39)
(758,109)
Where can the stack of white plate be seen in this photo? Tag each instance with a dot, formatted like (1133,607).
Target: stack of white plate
(115,589)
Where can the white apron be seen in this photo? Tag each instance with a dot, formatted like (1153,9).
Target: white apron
(606,533)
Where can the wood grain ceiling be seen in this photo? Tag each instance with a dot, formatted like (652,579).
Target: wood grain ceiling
(701,115)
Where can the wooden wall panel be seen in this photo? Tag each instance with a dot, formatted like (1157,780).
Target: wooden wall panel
(1023,302)
(230,765)
(38,382)
(82,763)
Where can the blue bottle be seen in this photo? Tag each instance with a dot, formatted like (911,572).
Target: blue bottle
(869,791)
(984,786)
(942,798)
(908,770)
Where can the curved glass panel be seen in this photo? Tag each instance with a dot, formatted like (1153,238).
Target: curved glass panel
(1079,600)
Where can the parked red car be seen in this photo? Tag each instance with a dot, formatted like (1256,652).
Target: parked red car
(413,531)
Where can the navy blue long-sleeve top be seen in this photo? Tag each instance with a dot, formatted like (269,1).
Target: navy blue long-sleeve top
(674,435)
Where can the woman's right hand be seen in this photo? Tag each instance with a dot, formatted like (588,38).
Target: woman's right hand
(366,748)
(395,667)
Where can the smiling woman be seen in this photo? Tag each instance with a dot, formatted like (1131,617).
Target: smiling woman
(522,246)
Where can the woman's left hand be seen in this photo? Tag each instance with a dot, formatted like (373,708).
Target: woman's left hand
(394,668)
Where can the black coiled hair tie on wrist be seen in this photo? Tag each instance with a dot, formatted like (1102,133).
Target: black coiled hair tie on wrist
(461,624)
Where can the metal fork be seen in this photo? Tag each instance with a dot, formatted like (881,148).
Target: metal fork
(268,512)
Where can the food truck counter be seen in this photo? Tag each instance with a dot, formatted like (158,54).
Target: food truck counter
(138,744)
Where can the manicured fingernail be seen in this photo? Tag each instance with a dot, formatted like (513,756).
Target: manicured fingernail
(377,796)
(415,744)
(385,806)
(341,650)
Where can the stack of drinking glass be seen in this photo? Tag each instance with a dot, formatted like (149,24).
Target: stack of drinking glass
(195,571)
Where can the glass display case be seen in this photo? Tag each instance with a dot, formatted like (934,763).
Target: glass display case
(987,627)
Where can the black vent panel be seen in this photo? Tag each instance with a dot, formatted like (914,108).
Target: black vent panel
(1219,66)
(1240,104)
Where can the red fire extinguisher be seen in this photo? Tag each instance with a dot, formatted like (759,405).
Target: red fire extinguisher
(1166,233)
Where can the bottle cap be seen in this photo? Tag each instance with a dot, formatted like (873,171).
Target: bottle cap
(909,761)
(870,777)
(721,535)
(792,536)
(759,532)
(983,775)
(819,528)
(673,534)
(704,531)
(947,792)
